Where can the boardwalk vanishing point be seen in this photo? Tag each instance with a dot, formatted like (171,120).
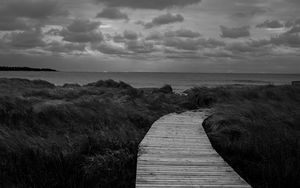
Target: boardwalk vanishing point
(176,152)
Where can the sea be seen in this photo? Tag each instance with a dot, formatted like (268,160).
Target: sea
(178,81)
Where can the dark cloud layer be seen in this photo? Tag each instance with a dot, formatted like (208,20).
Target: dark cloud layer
(141,46)
(164,19)
(270,24)
(183,40)
(118,38)
(82,31)
(130,44)
(78,26)
(37,28)
(295,2)
(148,4)
(294,29)
(237,32)
(11,24)
(155,36)
(294,26)
(183,33)
(112,13)
(69,48)
(182,44)
(26,39)
(127,35)
(31,9)
(192,44)
(130,35)
(109,49)
(82,37)
(239,48)
(249,9)
(286,39)
(13,13)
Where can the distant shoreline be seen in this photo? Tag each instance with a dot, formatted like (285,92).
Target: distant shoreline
(2,68)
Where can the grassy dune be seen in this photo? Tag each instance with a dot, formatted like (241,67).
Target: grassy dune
(87,136)
(75,136)
(256,130)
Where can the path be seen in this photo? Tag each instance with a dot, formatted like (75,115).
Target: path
(176,152)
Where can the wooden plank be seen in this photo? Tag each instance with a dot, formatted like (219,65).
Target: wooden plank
(176,152)
(190,185)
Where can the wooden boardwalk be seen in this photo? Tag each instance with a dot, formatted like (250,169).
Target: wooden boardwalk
(176,152)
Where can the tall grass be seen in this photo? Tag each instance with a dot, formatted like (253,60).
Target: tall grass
(87,136)
(74,136)
(256,130)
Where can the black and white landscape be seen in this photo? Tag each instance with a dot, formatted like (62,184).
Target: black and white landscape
(149,93)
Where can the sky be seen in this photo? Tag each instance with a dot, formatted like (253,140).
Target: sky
(224,36)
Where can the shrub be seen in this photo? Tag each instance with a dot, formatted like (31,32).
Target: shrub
(110,84)
(166,89)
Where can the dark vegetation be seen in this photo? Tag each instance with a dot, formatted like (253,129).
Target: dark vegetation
(256,130)
(87,136)
(3,68)
(75,136)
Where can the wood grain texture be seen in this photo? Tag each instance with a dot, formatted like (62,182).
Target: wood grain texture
(176,152)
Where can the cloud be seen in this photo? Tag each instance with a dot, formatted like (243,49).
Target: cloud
(128,43)
(270,24)
(210,43)
(269,46)
(82,37)
(295,2)
(11,24)
(163,20)
(239,50)
(34,9)
(148,4)
(294,29)
(183,33)
(109,49)
(26,39)
(218,53)
(26,14)
(82,31)
(287,39)
(235,32)
(69,48)
(246,47)
(183,40)
(130,35)
(289,24)
(139,22)
(290,38)
(53,31)
(112,13)
(263,47)
(139,46)
(192,44)
(155,36)
(297,22)
(249,11)
(293,24)
(182,44)
(79,26)
(127,35)
(118,38)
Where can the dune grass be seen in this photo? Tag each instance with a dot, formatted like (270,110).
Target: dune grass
(87,136)
(75,136)
(256,130)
